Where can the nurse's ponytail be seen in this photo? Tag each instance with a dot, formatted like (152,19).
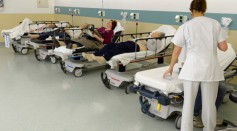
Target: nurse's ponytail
(198,5)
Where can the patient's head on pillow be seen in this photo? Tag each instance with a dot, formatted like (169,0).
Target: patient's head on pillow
(52,25)
(157,34)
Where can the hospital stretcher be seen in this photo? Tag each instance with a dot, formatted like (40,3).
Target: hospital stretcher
(125,66)
(164,97)
(18,36)
(17,45)
(63,53)
(75,63)
(43,49)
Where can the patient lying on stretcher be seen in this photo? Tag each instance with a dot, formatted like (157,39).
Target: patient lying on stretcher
(27,26)
(91,38)
(112,49)
(49,35)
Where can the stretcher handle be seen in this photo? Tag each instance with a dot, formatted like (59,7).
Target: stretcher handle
(132,34)
(144,92)
(160,55)
(148,38)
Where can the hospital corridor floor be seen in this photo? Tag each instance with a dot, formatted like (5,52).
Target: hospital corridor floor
(38,96)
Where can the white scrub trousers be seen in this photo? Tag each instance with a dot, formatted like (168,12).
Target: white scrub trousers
(209,94)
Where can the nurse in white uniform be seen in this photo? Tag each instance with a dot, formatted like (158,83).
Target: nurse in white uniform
(201,36)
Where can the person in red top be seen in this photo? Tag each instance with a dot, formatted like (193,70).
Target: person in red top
(106,34)
(95,39)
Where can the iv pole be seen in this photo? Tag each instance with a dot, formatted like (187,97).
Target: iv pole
(102,14)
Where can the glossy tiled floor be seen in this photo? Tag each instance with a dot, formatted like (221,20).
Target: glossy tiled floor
(38,96)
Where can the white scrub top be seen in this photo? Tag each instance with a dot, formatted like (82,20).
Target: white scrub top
(201,36)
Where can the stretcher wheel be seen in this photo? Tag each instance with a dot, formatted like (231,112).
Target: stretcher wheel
(37,55)
(127,87)
(24,51)
(178,121)
(53,59)
(233,96)
(226,98)
(105,80)
(14,48)
(77,72)
(62,64)
(145,107)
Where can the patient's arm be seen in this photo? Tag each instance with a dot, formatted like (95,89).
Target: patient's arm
(155,34)
(98,38)
(83,26)
(222,46)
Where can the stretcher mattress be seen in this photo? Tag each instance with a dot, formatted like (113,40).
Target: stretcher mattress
(126,58)
(154,77)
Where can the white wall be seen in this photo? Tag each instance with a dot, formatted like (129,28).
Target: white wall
(26,7)
(214,6)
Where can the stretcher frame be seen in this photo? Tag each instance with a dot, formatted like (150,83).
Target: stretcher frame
(121,78)
(77,66)
(149,98)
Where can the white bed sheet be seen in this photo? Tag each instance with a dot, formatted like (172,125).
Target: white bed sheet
(19,30)
(126,58)
(64,50)
(154,77)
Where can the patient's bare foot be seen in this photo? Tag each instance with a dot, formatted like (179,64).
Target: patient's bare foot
(35,36)
(100,59)
(89,57)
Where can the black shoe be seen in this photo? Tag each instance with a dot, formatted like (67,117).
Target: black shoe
(69,46)
(56,43)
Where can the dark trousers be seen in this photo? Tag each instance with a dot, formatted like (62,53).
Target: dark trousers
(112,49)
(220,96)
(45,35)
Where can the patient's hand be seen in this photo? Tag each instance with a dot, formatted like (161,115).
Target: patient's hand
(155,34)
(83,26)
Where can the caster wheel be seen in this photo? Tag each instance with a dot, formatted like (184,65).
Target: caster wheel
(14,48)
(77,72)
(226,98)
(178,121)
(105,80)
(62,64)
(127,88)
(24,51)
(53,59)
(145,107)
(37,55)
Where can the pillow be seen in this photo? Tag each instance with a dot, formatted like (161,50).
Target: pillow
(118,28)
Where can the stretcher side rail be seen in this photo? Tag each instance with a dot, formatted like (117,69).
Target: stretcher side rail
(160,55)
(73,29)
(41,22)
(121,36)
(149,38)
